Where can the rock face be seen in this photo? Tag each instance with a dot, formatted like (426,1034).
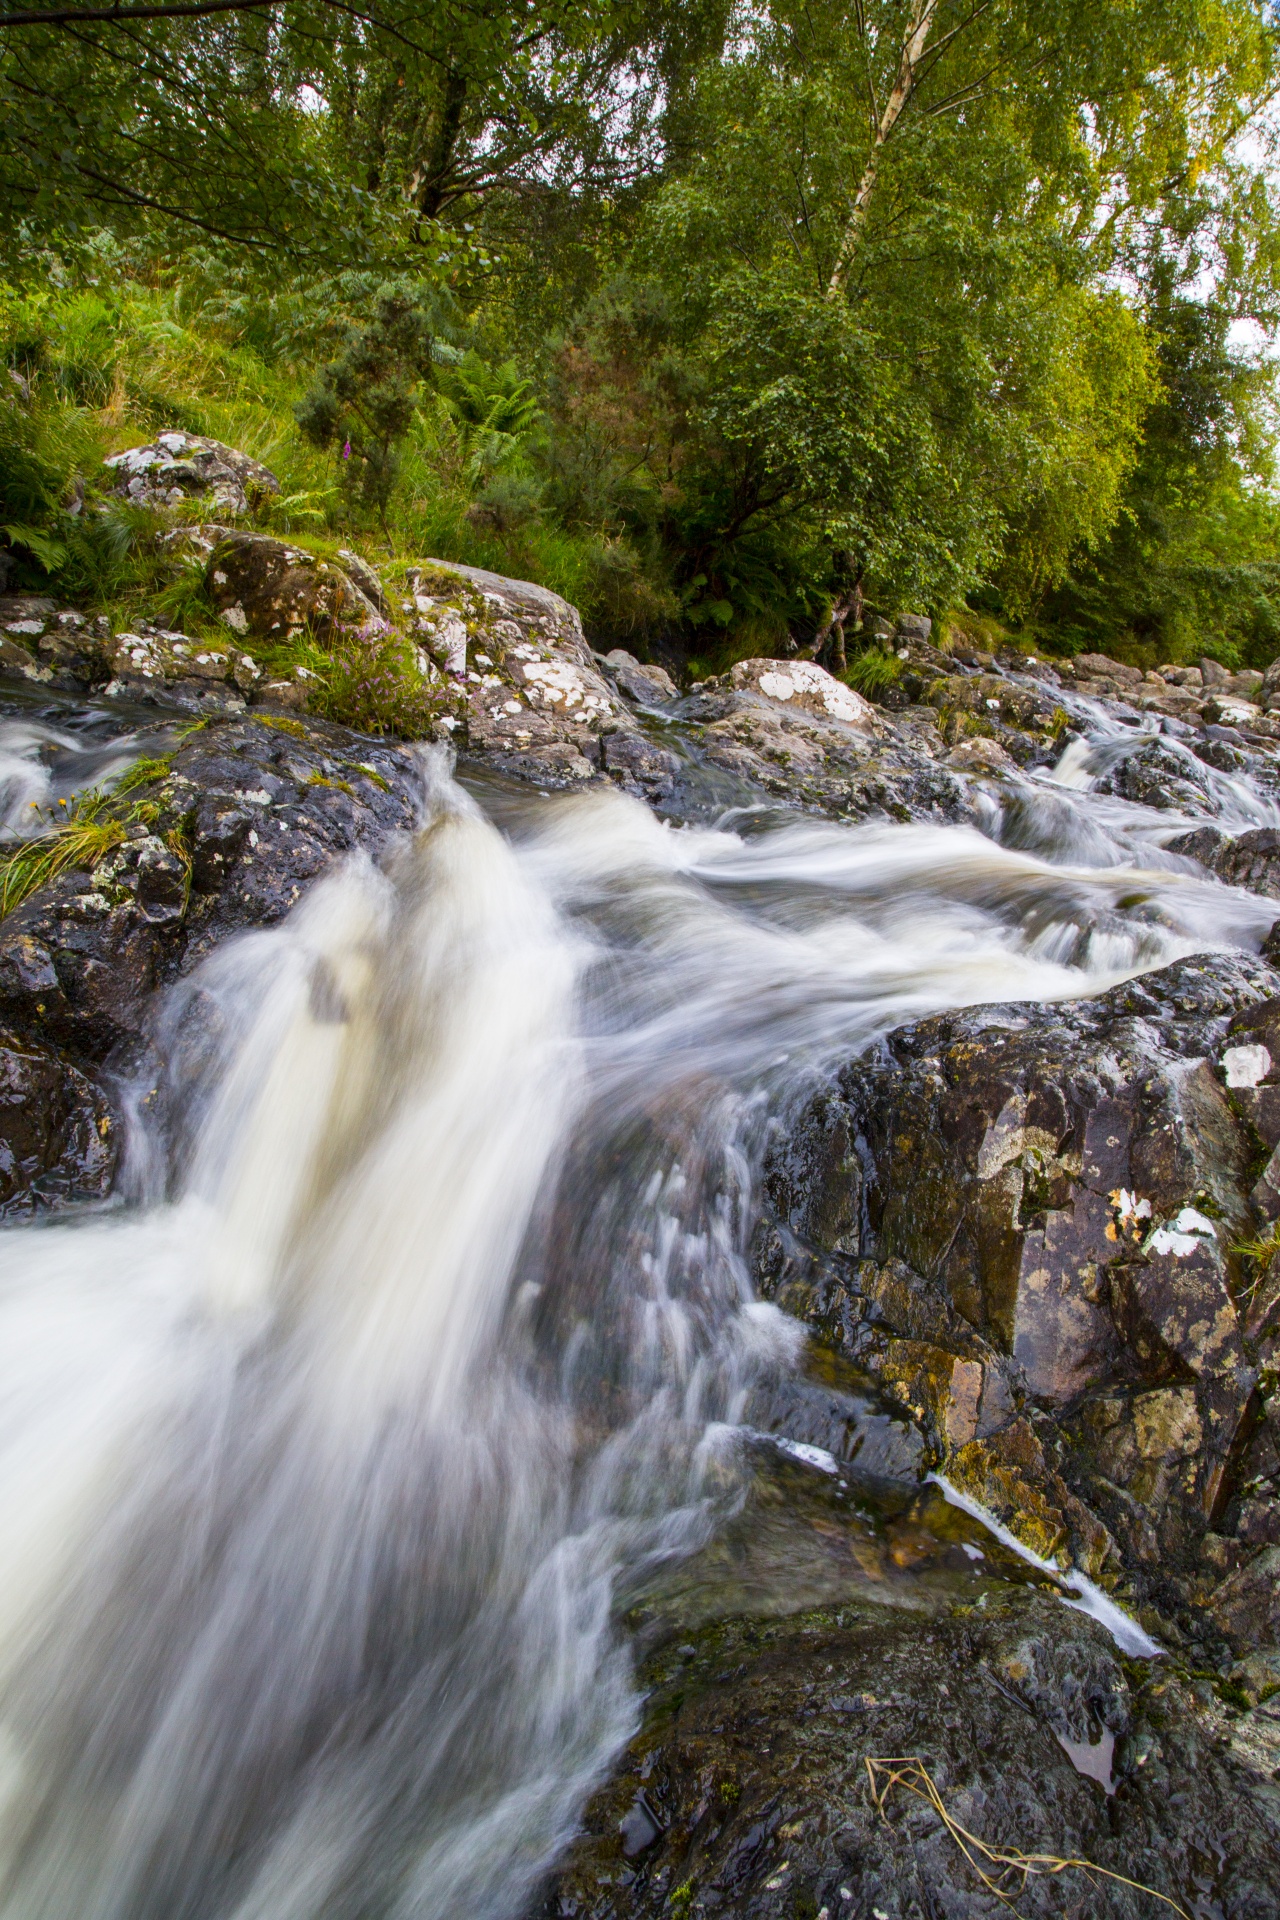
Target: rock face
(1024,1221)
(182,466)
(748,1794)
(266,588)
(245,815)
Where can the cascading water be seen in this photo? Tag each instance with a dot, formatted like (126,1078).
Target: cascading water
(325,1462)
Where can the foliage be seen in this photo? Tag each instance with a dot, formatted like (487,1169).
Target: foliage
(494,411)
(94,824)
(871,672)
(374,685)
(363,402)
(703,316)
(1192,565)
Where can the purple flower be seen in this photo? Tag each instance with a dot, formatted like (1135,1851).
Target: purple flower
(346,449)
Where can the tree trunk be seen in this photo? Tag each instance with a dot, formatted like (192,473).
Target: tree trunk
(912,50)
(432,181)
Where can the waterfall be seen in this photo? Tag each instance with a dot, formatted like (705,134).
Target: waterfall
(328,1459)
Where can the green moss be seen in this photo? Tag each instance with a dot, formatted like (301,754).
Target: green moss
(370,773)
(144,773)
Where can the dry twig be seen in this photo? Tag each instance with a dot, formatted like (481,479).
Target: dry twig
(912,1774)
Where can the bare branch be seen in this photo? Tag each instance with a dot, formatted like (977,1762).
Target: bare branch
(164,10)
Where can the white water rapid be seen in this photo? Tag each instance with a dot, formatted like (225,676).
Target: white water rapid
(328,1457)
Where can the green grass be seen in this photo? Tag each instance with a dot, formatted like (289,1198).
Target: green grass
(79,845)
(95,823)
(871,672)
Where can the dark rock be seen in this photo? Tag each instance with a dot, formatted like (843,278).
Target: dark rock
(272,590)
(1253,860)
(57,1131)
(651,686)
(753,1764)
(249,813)
(639,766)
(1068,1186)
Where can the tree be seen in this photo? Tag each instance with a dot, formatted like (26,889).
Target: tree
(363,402)
(333,133)
(959,236)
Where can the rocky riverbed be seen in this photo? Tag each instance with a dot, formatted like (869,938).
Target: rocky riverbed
(1035,1246)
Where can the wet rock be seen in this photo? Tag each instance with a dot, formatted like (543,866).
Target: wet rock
(811,759)
(650,686)
(58,1134)
(1154,775)
(247,814)
(181,466)
(753,1759)
(1252,860)
(1247,1605)
(1069,1186)
(639,766)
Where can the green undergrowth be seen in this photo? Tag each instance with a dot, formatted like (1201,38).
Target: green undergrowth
(94,825)
(871,672)
(93,372)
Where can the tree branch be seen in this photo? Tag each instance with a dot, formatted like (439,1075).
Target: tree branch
(162,10)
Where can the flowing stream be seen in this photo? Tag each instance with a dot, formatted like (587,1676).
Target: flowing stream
(330,1454)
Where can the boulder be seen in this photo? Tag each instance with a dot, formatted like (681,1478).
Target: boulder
(804,687)
(180,466)
(648,686)
(535,701)
(914,629)
(979,755)
(1069,1186)
(270,590)
(1102,667)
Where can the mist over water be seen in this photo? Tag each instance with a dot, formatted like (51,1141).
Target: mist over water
(328,1458)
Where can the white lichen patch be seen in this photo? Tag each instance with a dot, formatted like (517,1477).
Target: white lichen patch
(1130,1209)
(558,683)
(1188,1232)
(1246,1066)
(807,685)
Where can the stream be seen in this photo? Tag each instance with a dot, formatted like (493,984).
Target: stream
(422,1346)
